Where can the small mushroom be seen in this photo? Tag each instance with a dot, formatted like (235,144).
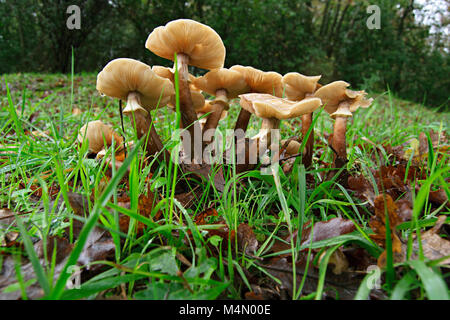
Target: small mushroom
(198,99)
(292,148)
(225,85)
(340,103)
(99,136)
(273,109)
(259,82)
(194,44)
(298,87)
(207,109)
(135,82)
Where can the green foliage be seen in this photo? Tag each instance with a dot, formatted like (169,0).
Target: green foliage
(327,37)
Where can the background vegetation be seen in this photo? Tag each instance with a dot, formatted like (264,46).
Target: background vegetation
(327,37)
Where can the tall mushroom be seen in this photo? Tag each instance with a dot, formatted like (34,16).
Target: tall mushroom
(340,103)
(259,82)
(133,81)
(194,44)
(208,109)
(224,84)
(297,87)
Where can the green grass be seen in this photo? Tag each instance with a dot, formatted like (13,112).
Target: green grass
(148,266)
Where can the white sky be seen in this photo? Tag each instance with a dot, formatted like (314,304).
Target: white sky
(433,12)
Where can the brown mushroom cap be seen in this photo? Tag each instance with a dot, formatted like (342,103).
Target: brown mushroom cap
(95,132)
(268,106)
(198,100)
(123,76)
(260,81)
(168,73)
(200,42)
(207,108)
(340,101)
(297,86)
(292,148)
(231,81)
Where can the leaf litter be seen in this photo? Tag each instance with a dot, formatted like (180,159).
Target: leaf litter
(389,189)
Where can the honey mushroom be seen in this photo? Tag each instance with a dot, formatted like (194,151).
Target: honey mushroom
(99,136)
(259,82)
(298,87)
(272,110)
(340,103)
(198,99)
(225,85)
(134,82)
(194,44)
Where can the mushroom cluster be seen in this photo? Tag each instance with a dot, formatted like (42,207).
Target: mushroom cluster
(267,95)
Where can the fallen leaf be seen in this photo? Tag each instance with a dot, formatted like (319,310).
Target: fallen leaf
(385,204)
(322,230)
(34,291)
(434,246)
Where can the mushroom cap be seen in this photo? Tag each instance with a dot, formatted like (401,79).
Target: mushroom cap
(268,106)
(335,93)
(122,76)
(94,131)
(261,81)
(200,42)
(168,73)
(232,81)
(292,148)
(208,108)
(198,100)
(297,86)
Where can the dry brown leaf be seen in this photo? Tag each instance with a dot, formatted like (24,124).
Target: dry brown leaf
(378,225)
(322,230)
(434,246)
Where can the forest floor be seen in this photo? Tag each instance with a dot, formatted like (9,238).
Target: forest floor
(380,229)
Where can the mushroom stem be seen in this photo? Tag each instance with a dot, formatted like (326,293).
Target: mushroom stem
(188,115)
(219,105)
(243,120)
(309,146)
(339,140)
(265,135)
(142,121)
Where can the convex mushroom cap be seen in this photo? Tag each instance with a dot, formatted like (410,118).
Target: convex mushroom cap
(198,41)
(298,86)
(123,76)
(340,101)
(99,136)
(231,81)
(260,81)
(268,106)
